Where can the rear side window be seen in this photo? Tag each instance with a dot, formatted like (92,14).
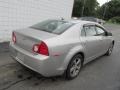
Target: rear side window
(100,31)
(90,31)
(83,32)
(53,26)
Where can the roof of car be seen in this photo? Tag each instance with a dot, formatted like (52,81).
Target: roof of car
(81,21)
(84,22)
(77,21)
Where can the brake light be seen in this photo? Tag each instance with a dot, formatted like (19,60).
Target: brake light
(13,37)
(41,49)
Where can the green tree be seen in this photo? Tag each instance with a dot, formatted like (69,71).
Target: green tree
(77,9)
(88,7)
(112,10)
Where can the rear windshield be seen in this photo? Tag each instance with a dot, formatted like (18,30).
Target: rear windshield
(53,26)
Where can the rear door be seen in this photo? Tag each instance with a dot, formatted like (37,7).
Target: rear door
(104,41)
(91,41)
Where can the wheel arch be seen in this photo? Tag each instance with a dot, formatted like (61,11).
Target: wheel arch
(69,60)
(82,54)
(67,66)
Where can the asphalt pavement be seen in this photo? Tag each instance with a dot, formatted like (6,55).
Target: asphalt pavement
(100,74)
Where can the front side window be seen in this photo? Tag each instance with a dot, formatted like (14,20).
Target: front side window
(53,26)
(90,30)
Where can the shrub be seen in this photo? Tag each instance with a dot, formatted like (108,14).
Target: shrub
(115,19)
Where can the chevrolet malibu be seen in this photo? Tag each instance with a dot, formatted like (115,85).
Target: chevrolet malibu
(60,47)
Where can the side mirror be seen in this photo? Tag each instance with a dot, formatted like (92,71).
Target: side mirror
(108,34)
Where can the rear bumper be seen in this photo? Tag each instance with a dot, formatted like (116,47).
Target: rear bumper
(44,65)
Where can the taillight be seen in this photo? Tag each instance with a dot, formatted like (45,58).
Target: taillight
(41,49)
(13,37)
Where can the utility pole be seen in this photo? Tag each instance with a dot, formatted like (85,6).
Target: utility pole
(105,10)
(83,8)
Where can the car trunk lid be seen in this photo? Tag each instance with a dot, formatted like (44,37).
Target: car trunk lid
(27,38)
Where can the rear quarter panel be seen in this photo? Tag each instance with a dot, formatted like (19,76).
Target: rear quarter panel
(63,47)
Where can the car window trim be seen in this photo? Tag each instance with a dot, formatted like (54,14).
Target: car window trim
(87,25)
(81,32)
(101,28)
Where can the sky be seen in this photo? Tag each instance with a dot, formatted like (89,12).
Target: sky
(101,2)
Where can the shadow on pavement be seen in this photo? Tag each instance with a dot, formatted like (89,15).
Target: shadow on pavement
(4,47)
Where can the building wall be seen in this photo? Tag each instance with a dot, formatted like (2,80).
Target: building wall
(15,14)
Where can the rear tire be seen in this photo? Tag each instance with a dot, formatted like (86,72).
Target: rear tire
(74,67)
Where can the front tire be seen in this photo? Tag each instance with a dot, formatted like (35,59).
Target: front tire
(74,67)
(109,52)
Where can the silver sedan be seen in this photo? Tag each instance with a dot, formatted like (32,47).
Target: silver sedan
(60,47)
